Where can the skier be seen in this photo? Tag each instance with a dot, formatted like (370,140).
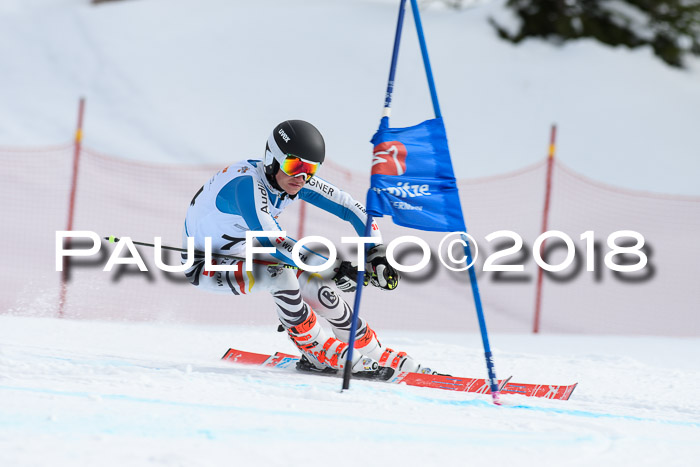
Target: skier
(249,195)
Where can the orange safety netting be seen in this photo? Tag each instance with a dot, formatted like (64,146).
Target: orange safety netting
(125,198)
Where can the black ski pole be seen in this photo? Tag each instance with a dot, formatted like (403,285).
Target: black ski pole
(113,239)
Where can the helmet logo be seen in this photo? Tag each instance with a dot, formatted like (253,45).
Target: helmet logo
(389,158)
(283,135)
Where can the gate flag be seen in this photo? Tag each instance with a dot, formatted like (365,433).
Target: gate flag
(414,183)
(412,178)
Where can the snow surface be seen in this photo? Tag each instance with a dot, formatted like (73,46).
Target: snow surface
(201,81)
(79,393)
(194,81)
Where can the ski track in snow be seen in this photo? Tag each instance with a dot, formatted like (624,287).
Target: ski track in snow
(81,393)
(157,394)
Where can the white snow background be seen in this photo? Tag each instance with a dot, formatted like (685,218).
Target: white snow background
(190,82)
(80,393)
(184,81)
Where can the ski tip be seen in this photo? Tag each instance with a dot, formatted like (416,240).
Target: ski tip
(570,391)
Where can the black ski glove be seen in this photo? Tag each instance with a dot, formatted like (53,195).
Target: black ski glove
(381,273)
(345,276)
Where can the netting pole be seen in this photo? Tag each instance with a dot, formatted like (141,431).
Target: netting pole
(77,144)
(545,218)
(302,220)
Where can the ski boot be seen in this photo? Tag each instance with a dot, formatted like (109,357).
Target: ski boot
(392,362)
(365,366)
(321,353)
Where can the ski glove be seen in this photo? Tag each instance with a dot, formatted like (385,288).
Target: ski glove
(346,276)
(381,273)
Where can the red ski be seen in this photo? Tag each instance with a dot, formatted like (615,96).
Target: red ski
(547,391)
(450,383)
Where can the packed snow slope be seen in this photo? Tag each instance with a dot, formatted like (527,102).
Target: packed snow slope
(193,81)
(81,393)
(204,81)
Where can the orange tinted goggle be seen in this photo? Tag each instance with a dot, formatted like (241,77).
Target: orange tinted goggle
(294,166)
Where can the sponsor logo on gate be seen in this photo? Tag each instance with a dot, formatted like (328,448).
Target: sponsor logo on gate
(405,206)
(405,190)
(389,158)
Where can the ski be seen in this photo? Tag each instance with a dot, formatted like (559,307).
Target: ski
(546,391)
(449,383)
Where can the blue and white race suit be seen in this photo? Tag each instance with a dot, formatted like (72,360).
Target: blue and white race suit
(240,198)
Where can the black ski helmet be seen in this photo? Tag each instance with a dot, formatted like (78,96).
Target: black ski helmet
(293,138)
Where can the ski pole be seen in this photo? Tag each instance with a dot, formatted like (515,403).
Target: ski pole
(113,239)
(347,373)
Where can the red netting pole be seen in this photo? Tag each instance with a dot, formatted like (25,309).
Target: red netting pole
(545,216)
(71,203)
(302,220)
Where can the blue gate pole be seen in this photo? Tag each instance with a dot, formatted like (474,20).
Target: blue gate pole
(426,59)
(394,60)
(490,368)
(347,373)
